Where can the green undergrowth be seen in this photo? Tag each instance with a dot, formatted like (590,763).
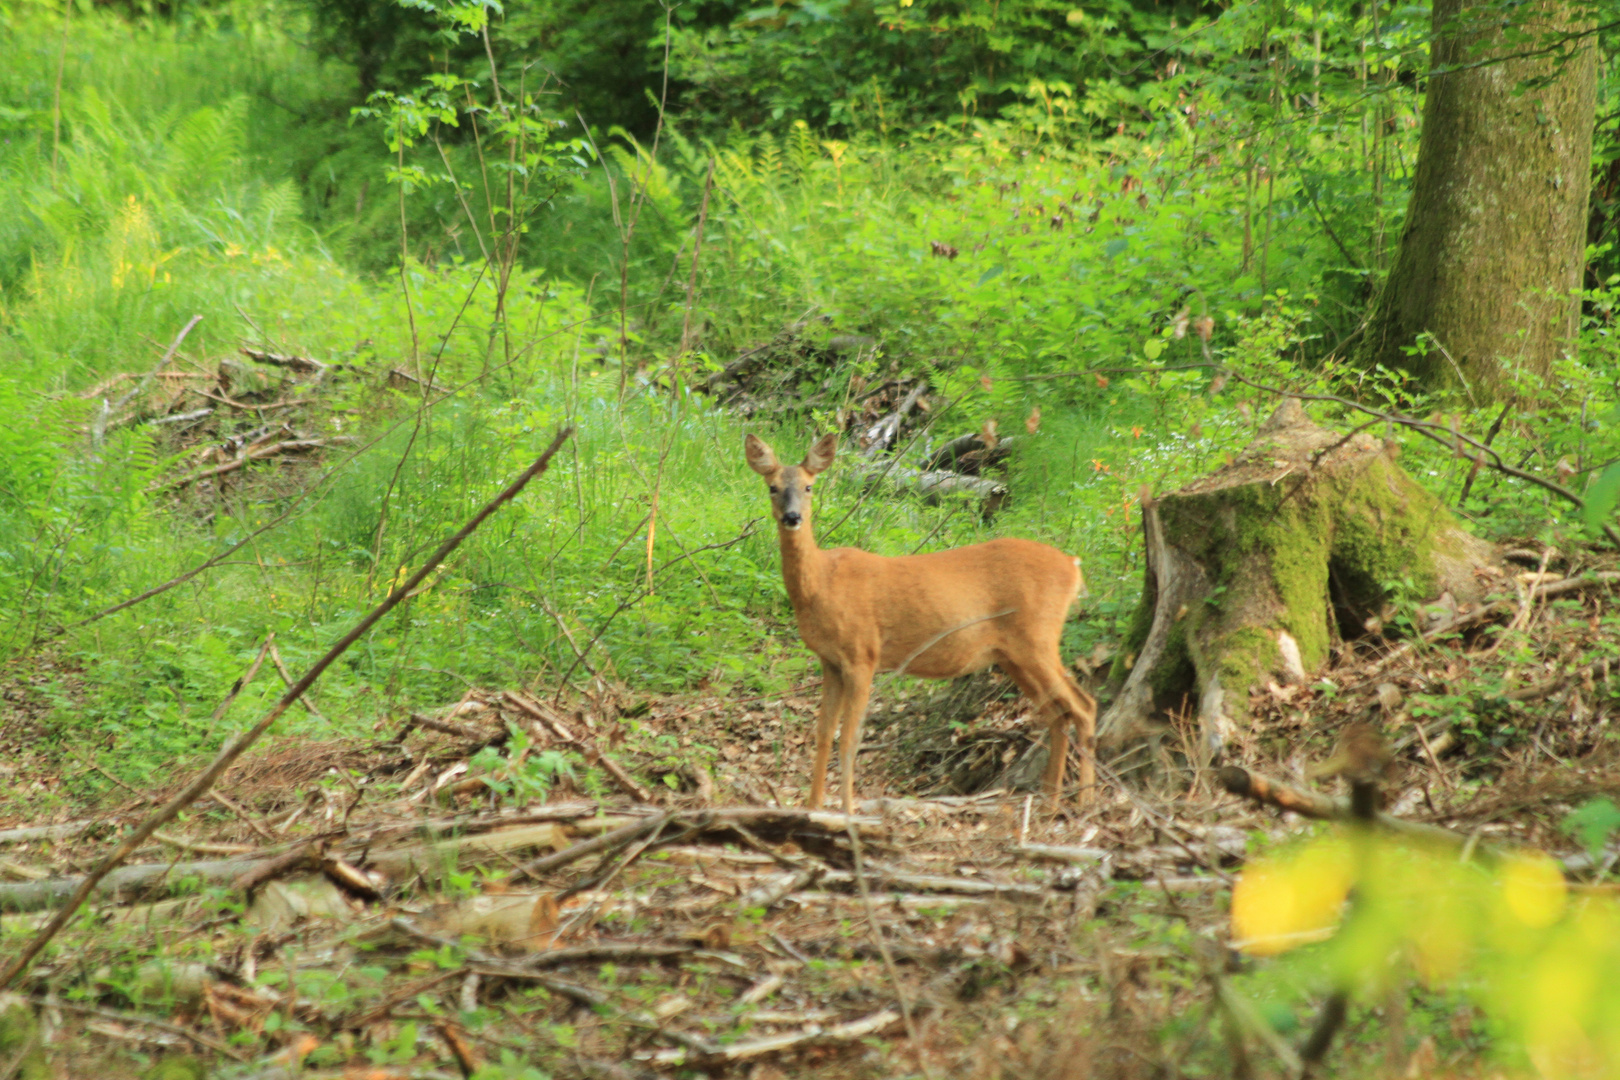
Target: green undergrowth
(1044,273)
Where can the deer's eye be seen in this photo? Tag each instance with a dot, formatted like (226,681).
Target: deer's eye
(807,489)
(776,491)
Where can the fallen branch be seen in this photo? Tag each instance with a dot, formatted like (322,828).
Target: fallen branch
(301,364)
(617,838)
(815,1034)
(771,893)
(460,731)
(185,417)
(205,1041)
(287,446)
(237,746)
(931,485)
(1490,611)
(65,831)
(882,434)
(1267,792)
(98,428)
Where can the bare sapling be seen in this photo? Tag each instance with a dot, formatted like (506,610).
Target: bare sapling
(937,615)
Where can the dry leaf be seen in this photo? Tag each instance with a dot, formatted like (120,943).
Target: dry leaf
(1102,380)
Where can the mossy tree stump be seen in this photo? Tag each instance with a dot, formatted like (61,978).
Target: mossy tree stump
(1254,571)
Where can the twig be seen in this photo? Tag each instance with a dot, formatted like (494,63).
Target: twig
(237,746)
(206,1041)
(248,819)
(1247,1017)
(288,446)
(286,677)
(642,594)
(1445,436)
(624,834)
(98,430)
(601,879)
(888,957)
(1490,437)
(593,755)
(815,1033)
(1267,792)
(1488,611)
(247,677)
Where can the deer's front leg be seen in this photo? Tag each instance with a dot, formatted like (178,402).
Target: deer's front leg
(857,689)
(832,694)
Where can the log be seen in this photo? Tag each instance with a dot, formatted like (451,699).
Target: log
(145,881)
(303,365)
(1252,572)
(126,885)
(970,454)
(881,435)
(68,830)
(932,486)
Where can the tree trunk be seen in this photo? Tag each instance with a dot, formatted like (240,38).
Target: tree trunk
(1253,571)
(1492,253)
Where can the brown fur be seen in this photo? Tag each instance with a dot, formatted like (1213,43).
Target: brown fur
(939,615)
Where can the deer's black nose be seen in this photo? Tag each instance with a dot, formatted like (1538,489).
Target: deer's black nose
(791,519)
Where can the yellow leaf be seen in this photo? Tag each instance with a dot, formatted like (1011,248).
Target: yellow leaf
(1533,888)
(1281,904)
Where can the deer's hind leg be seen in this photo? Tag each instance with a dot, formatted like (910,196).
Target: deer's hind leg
(1060,702)
(832,697)
(1082,709)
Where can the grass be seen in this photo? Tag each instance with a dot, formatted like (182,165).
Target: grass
(230,185)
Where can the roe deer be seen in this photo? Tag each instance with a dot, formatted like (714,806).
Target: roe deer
(937,615)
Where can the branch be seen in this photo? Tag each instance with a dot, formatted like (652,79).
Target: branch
(237,746)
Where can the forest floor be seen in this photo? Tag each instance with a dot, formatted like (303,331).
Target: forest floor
(412,905)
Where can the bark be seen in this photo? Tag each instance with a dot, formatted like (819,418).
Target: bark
(1253,571)
(1492,254)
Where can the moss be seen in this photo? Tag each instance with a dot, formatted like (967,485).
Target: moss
(1243,656)
(20,1045)
(1174,674)
(1282,531)
(1136,635)
(1386,528)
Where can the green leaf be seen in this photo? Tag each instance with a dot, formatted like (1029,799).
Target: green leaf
(1593,823)
(990,274)
(1153,348)
(1601,498)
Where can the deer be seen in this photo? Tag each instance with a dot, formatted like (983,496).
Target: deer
(937,615)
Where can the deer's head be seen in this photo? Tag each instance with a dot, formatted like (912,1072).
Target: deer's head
(790,484)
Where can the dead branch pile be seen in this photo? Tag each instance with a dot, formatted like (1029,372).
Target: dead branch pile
(225,415)
(880,416)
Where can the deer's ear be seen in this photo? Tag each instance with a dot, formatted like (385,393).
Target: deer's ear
(821,453)
(761,458)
